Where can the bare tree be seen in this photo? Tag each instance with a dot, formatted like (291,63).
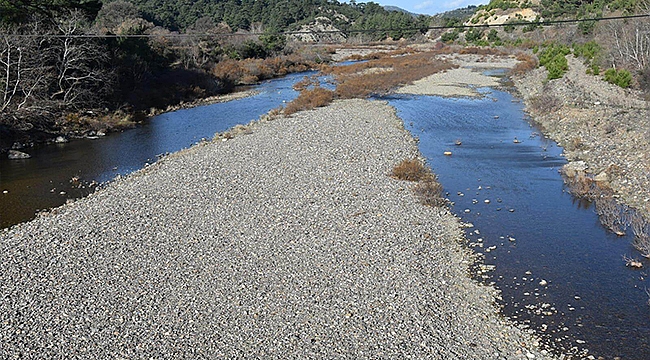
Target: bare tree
(631,40)
(24,77)
(79,64)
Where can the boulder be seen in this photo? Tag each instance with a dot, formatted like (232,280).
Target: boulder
(60,140)
(573,168)
(17,155)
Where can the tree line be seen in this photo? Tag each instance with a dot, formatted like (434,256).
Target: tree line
(47,67)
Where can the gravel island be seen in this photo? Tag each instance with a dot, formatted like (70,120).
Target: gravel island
(289,240)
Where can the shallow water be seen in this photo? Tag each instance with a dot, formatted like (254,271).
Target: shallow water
(535,231)
(38,182)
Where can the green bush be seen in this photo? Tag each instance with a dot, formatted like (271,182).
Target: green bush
(589,50)
(557,67)
(473,35)
(593,69)
(450,36)
(622,77)
(493,35)
(553,58)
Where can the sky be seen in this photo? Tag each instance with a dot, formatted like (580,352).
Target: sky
(429,7)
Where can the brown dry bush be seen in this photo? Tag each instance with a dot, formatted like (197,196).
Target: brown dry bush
(235,72)
(306,82)
(310,99)
(474,50)
(580,185)
(410,170)
(526,63)
(430,192)
(402,70)
(641,231)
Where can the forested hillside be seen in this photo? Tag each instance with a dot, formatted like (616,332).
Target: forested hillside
(60,59)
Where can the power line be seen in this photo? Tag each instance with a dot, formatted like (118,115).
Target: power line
(326,32)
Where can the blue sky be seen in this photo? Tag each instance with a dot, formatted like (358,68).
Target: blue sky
(429,7)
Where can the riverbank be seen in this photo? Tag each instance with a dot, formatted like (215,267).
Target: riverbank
(93,125)
(288,240)
(598,123)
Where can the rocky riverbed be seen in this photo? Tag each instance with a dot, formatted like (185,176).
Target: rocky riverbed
(598,123)
(288,240)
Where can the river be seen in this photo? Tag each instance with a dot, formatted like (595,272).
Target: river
(560,272)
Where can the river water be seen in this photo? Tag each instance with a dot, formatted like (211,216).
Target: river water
(44,181)
(560,272)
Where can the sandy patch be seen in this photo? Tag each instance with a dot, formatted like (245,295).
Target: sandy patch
(462,81)
(456,82)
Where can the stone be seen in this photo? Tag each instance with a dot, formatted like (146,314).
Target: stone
(18,155)
(573,168)
(60,140)
(602,177)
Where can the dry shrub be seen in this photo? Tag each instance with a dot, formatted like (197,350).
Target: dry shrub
(609,211)
(235,72)
(428,189)
(306,82)
(310,99)
(475,50)
(580,185)
(576,144)
(641,231)
(526,63)
(410,170)
(354,83)
(545,103)
(430,192)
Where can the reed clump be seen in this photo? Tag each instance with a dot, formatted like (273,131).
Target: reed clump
(430,192)
(361,80)
(382,75)
(310,99)
(428,189)
(410,170)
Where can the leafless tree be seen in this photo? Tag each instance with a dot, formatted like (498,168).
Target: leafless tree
(79,64)
(631,40)
(24,76)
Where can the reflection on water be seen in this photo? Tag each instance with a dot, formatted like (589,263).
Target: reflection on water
(44,181)
(559,271)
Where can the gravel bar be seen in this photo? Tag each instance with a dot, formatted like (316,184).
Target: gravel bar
(288,241)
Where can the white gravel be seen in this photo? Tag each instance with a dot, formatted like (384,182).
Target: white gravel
(290,241)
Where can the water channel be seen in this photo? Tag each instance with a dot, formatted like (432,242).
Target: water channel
(560,272)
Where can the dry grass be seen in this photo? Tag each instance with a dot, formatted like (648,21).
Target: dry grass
(526,63)
(235,72)
(411,170)
(306,83)
(364,79)
(430,192)
(356,81)
(310,99)
(428,189)
(475,50)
